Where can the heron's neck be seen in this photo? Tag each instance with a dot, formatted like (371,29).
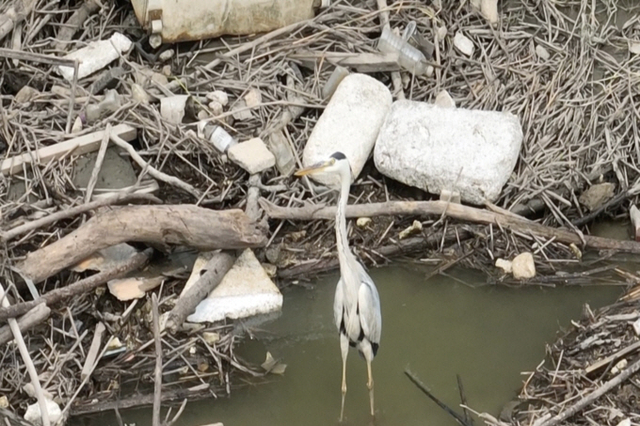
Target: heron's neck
(344,253)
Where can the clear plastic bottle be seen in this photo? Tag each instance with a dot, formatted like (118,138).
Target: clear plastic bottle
(280,148)
(409,57)
(215,134)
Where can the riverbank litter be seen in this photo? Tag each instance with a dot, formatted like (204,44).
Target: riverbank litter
(188,148)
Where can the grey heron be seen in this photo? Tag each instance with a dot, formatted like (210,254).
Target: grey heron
(356,306)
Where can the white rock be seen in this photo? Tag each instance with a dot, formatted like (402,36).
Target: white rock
(96,55)
(542,53)
(505,265)
(350,123)
(444,100)
(252,155)
(523,266)
(34,415)
(363,222)
(172,108)
(634,47)
(219,96)
(463,44)
(469,151)
(597,195)
(245,290)
(241,112)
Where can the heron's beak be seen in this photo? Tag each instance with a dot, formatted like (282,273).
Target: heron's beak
(318,167)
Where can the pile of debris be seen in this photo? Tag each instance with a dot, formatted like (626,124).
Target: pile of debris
(165,170)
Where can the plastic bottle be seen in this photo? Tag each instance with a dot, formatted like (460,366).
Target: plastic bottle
(109,104)
(409,57)
(280,148)
(215,134)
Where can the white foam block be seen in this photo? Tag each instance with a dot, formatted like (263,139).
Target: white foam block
(472,152)
(96,55)
(246,290)
(350,123)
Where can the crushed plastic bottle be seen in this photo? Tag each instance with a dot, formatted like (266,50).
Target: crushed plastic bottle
(215,134)
(409,57)
(280,148)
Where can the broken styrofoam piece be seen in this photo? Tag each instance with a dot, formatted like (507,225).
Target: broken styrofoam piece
(523,266)
(252,155)
(246,290)
(219,96)
(489,9)
(350,123)
(172,108)
(432,148)
(34,415)
(505,265)
(96,55)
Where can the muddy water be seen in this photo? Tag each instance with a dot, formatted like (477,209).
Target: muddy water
(438,328)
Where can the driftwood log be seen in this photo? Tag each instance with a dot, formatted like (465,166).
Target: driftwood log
(211,275)
(84,285)
(188,225)
(456,211)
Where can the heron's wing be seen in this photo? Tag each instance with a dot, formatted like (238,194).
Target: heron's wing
(369,311)
(338,303)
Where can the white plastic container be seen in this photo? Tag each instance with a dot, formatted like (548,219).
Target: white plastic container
(350,123)
(183,20)
(409,57)
(96,55)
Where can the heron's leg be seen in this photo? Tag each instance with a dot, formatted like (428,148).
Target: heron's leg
(370,384)
(344,347)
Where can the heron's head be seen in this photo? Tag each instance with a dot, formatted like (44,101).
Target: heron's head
(334,169)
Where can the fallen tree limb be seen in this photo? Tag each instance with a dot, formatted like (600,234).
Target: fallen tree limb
(32,318)
(82,286)
(410,245)
(593,396)
(188,225)
(74,211)
(214,271)
(456,211)
(66,32)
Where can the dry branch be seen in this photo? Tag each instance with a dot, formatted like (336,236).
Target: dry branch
(188,225)
(214,272)
(88,8)
(456,211)
(32,318)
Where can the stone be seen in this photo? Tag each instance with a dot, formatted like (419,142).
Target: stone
(363,222)
(252,155)
(96,55)
(523,266)
(172,108)
(505,265)
(463,44)
(246,290)
(219,96)
(597,195)
(471,152)
(253,98)
(542,53)
(350,123)
(634,47)
(241,112)
(489,9)
(34,415)
(166,55)
(139,94)
(26,94)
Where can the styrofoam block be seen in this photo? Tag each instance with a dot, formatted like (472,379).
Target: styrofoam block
(350,123)
(433,148)
(246,290)
(96,55)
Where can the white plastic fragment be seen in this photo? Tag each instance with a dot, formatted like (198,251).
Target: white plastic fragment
(489,9)
(636,327)
(252,155)
(34,415)
(350,123)
(634,47)
(523,266)
(463,44)
(245,290)
(432,148)
(416,226)
(96,55)
(620,365)
(218,96)
(253,98)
